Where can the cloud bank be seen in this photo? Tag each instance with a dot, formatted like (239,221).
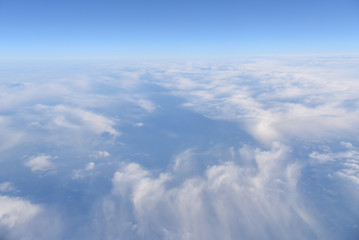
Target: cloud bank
(252,149)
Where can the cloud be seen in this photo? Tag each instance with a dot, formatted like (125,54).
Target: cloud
(139,124)
(103,154)
(40,163)
(321,157)
(274,100)
(78,119)
(183,161)
(348,165)
(15,211)
(9,137)
(227,201)
(343,163)
(6,187)
(100,154)
(90,166)
(141,102)
(295,177)
(21,219)
(84,172)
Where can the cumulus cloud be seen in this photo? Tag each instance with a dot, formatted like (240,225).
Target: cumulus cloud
(22,219)
(227,201)
(15,211)
(40,163)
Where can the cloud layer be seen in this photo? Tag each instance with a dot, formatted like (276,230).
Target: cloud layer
(252,149)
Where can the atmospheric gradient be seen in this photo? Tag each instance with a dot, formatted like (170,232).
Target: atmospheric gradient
(179,120)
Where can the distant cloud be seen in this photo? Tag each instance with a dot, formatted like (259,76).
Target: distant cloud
(274,100)
(84,172)
(9,136)
(145,104)
(100,154)
(15,211)
(322,157)
(40,163)
(21,219)
(78,119)
(90,166)
(139,124)
(347,145)
(6,187)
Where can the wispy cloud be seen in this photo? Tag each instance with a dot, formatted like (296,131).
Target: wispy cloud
(77,119)
(6,187)
(228,201)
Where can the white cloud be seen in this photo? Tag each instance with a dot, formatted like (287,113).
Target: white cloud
(6,187)
(228,201)
(90,166)
(104,154)
(40,163)
(347,144)
(78,119)
(15,211)
(346,162)
(84,172)
(143,103)
(183,161)
(256,193)
(139,124)
(21,219)
(273,99)
(9,137)
(322,157)
(100,154)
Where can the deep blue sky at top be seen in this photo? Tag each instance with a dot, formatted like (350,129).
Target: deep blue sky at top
(120,28)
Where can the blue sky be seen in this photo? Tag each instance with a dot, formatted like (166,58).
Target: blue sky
(119,29)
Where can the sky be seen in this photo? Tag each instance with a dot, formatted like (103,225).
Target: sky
(120,29)
(179,120)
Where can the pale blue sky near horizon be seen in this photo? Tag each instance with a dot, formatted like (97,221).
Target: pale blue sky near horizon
(116,29)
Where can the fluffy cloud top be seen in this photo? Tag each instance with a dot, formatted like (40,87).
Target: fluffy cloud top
(40,163)
(15,211)
(229,201)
